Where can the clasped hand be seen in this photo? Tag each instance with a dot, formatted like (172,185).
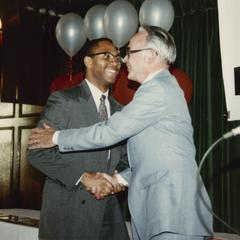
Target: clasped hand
(101,184)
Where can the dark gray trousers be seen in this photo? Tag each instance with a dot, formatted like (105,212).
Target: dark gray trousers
(113,226)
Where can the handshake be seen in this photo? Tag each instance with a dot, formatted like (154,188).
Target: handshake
(101,184)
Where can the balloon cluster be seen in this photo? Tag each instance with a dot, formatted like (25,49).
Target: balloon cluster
(118,21)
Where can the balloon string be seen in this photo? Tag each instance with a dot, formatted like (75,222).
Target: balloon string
(70,69)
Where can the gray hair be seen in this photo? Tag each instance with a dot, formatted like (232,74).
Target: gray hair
(162,42)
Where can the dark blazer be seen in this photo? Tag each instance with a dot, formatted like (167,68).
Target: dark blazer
(68,211)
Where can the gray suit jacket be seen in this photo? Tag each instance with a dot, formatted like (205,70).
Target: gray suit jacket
(70,212)
(164,194)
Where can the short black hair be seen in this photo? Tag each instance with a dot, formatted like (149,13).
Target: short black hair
(91,45)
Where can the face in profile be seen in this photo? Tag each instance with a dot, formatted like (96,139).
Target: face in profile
(135,59)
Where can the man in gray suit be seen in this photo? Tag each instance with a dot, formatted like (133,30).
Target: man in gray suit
(69,211)
(167,200)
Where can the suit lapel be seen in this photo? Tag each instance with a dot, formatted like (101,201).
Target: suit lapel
(88,106)
(114,106)
(91,115)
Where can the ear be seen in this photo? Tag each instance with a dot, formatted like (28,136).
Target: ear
(152,57)
(88,61)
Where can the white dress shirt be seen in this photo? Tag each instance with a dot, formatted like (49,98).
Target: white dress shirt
(96,93)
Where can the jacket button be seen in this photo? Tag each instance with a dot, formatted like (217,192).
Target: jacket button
(83,201)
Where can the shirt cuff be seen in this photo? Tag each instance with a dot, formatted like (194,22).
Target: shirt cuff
(78,181)
(121,180)
(55,137)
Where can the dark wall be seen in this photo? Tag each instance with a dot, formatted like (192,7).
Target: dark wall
(31,58)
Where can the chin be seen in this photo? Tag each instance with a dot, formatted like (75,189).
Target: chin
(111,81)
(130,76)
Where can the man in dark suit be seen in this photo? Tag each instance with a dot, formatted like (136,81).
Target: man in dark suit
(69,211)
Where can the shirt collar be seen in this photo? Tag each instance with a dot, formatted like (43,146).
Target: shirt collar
(95,91)
(151,75)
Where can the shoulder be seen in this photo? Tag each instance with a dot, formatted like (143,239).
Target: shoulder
(68,94)
(161,83)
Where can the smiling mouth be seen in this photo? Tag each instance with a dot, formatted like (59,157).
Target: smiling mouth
(112,71)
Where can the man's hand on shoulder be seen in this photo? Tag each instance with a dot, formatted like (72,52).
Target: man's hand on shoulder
(41,137)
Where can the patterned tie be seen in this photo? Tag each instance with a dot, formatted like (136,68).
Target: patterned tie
(104,116)
(102,109)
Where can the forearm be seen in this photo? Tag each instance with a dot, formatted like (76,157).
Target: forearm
(50,163)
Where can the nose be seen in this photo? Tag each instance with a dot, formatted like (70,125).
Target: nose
(115,63)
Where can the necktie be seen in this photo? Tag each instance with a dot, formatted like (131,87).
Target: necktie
(102,109)
(103,117)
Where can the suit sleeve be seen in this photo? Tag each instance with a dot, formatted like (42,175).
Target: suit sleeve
(144,110)
(126,175)
(49,161)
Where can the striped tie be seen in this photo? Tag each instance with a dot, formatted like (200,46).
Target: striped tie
(104,116)
(102,109)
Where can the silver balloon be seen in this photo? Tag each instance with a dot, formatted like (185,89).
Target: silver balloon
(120,22)
(157,13)
(93,22)
(70,33)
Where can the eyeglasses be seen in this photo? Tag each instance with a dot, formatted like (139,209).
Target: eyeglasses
(129,51)
(108,56)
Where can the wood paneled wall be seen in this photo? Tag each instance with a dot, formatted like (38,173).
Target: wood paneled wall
(20,184)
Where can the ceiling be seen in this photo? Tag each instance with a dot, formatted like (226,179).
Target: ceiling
(64,6)
(56,7)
